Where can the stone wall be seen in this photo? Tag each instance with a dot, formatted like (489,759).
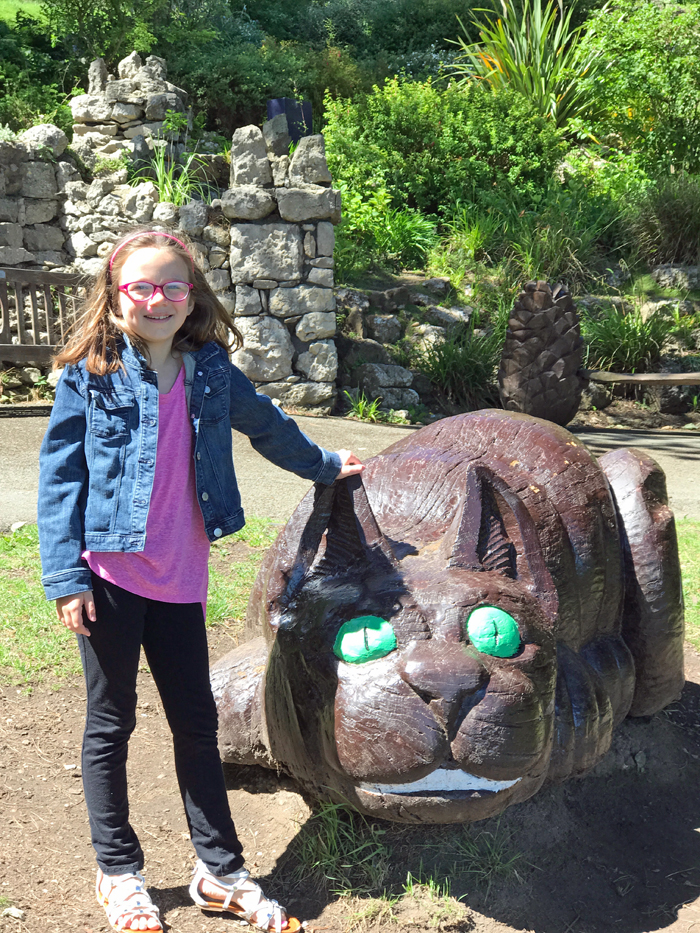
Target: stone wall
(124,114)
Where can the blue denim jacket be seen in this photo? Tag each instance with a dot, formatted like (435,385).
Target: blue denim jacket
(98,457)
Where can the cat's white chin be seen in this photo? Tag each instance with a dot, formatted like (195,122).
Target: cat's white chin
(441,781)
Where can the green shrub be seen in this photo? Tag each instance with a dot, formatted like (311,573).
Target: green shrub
(463,366)
(372,233)
(664,221)
(649,95)
(622,341)
(433,148)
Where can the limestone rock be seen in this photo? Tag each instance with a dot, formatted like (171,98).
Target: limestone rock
(89,108)
(124,113)
(80,244)
(316,325)
(65,173)
(317,395)
(193,218)
(143,129)
(9,210)
(216,234)
(127,67)
(302,299)
(43,236)
(280,169)
(165,213)
(219,280)
(217,257)
(97,76)
(11,235)
(247,202)
(158,104)
(248,300)
(320,277)
(249,162)
(88,266)
(125,92)
(276,135)
(39,212)
(320,362)
(45,136)
(312,203)
(374,378)
(11,256)
(262,251)
(267,349)
(38,180)
(308,165)
(309,245)
(325,239)
(386,328)
(227,302)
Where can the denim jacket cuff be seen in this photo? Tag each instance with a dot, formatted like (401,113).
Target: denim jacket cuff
(330,468)
(67,582)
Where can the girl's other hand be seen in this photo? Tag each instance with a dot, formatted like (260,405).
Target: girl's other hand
(350,464)
(70,611)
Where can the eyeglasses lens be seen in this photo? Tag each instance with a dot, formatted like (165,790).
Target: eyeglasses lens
(143,291)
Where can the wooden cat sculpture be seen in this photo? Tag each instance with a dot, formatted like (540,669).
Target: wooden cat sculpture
(472,617)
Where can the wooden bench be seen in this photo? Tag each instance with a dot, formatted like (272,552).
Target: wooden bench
(36,311)
(644,379)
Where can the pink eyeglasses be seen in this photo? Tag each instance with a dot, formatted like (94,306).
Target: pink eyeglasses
(144,291)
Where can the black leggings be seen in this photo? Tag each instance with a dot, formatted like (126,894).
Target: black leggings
(175,642)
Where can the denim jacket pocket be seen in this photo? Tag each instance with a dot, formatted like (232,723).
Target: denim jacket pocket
(111,413)
(215,404)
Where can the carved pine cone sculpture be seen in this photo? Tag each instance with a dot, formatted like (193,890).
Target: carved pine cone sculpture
(542,355)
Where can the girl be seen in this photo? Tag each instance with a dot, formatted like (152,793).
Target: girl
(136,480)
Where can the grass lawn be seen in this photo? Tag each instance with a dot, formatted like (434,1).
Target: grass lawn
(33,647)
(8,9)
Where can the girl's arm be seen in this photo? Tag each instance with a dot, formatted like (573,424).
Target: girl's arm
(279,439)
(63,477)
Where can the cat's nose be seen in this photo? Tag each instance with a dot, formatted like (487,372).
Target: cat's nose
(445,677)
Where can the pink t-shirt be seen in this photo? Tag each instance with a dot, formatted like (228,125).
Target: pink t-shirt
(174,565)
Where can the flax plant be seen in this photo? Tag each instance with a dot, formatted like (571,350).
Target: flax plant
(534,50)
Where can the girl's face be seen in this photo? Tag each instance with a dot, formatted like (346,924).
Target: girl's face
(157,320)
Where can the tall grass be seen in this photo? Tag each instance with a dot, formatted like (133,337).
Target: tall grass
(463,366)
(664,221)
(177,182)
(622,341)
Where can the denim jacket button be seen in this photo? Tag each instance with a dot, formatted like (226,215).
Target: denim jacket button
(199,456)
(200,373)
(217,532)
(205,496)
(207,390)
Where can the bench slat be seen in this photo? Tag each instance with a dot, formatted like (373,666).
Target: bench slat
(646,379)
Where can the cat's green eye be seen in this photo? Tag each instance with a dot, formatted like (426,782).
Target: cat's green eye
(492,631)
(365,638)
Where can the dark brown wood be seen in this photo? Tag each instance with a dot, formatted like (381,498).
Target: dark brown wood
(644,379)
(490,511)
(19,344)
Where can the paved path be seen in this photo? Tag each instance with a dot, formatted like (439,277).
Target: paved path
(269,491)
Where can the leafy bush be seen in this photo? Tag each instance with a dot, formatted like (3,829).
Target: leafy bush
(33,78)
(649,95)
(374,233)
(534,50)
(622,341)
(434,148)
(664,221)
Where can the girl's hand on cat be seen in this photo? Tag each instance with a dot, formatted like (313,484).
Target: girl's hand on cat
(70,611)
(350,464)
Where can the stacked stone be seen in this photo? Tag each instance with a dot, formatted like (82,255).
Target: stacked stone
(123,114)
(33,174)
(282,211)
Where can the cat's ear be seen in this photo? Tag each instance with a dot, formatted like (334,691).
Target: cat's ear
(494,531)
(352,535)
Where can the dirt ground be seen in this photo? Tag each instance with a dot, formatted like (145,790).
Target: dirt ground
(618,850)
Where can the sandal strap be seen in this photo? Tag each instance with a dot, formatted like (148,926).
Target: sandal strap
(251,903)
(125,899)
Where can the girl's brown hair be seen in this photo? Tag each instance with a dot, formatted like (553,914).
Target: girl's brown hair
(96,332)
